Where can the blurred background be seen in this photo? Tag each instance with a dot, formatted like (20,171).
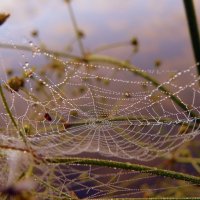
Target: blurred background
(160,28)
(149,34)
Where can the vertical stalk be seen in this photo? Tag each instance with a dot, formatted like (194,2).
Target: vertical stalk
(11,115)
(193,29)
(7,107)
(76,29)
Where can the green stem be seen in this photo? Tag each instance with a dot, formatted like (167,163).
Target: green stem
(76,29)
(111,46)
(127,166)
(118,165)
(11,116)
(193,29)
(7,108)
(141,119)
(145,75)
(45,183)
(122,64)
(26,48)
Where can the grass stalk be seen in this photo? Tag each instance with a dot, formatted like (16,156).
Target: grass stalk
(114,164)
(76,29)
(145,75)
(193,29)
(127,166)
(3,98)
(116,63)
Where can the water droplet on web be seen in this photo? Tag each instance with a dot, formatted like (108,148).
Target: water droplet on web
(124,127)
(26,64)
(31,43)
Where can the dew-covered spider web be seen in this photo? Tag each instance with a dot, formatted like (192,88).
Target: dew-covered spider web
(68,108)
(75,181)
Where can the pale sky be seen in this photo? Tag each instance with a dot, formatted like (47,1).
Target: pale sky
(160,26)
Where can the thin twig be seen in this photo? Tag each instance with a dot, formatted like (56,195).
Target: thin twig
(76,29)
(121,64)
(11,116)
(145,75)
(27,48)
(193,29)
(127,166)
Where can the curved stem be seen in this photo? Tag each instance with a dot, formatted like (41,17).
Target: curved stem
(143,74)
(115,62)
(7,107)
(113,164)
(11,116)
(127,166)
(111,46)
(27,48)
(71,13)
(45,184)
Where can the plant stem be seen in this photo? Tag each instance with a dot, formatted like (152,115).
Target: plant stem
(193,29)
(76,29)
(127,166)
(119,165)
(45,183)
(11,116)
(144,120)
(7,108)
(143,74)
(111,46)
(27,48)
(115,62)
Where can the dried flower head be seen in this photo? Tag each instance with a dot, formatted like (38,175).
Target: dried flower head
(9,72)
(34,33)
(157,63)
(134,41)
(16,83)
(67,1)
(3,17)
(80,34)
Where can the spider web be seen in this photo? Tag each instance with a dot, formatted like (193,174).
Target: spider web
(70,108)
(75,181)
(92,182)
(82,107)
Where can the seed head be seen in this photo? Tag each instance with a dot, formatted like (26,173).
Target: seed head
(157,63)
(134,41)
(3,17)
(80,34)
(34,33)
(16,83)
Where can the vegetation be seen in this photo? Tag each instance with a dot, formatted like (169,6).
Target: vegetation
(48,174)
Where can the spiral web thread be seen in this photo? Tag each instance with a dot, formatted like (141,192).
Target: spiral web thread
(74,181)
(81,181)
(105,109)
